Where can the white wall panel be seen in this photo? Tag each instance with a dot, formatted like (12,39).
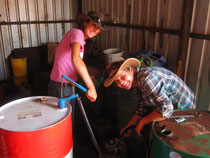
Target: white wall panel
(21,10)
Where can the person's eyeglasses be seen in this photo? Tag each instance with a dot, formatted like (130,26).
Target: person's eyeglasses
(114,66)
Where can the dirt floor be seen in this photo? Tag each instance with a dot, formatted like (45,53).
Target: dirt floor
(103,125)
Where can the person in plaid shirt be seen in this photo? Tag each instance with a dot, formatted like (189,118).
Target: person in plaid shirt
(159,90)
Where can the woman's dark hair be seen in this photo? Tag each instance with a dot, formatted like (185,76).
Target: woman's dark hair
(81,24)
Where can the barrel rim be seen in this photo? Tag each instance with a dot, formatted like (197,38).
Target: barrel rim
(44,128)
(190,154)
(116,51)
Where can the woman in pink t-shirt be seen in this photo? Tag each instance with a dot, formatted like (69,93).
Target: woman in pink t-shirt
(68,60)
(69,54)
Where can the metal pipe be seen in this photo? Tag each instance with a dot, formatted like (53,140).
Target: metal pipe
(62,87)
(37,22)
(138,27)
(200,36)
(145,28)
(74,83)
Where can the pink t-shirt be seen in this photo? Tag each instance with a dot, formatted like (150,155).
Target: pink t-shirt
(63,62)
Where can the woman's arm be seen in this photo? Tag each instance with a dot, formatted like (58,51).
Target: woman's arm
(83,72)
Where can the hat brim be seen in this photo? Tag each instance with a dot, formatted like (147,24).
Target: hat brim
(83,16)
(130,62)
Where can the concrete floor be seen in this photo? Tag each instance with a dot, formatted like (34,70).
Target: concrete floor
(83,146)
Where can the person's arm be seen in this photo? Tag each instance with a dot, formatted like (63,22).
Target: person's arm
(133,121)
(83,72)
(153,116)
(153,86)
(164,110)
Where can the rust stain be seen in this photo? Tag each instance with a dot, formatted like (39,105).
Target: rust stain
(204,142)
(192,136)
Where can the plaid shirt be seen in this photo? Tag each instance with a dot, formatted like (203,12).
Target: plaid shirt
(163,90)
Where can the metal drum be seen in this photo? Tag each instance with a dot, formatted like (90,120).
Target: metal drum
(182,137)
(35,127)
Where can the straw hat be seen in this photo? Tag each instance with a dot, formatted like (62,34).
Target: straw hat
(117,65)
(97,18)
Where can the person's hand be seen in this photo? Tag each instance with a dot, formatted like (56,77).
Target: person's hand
(127,134)
(139,127)
(91,94)
(126,131)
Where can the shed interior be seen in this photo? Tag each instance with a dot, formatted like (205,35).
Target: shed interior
(179,30)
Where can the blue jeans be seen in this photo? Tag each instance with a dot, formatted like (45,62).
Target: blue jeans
(54,89)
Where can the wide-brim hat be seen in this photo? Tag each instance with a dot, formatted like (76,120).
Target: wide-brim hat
(117,65)
(97,18)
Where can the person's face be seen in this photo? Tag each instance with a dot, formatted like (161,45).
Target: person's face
(124,79)
(91,29)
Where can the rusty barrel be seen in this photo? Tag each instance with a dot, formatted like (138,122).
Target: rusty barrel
(35,127)
(187,139)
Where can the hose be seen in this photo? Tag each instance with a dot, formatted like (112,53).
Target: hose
(89,127)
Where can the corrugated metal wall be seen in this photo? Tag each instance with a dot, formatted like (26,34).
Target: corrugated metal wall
(197,73)
(30,23)
(152,13)
(136,26)
(157,15)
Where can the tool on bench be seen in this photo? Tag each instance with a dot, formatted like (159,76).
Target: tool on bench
(196,114)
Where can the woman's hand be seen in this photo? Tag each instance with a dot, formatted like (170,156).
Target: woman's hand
(91,94)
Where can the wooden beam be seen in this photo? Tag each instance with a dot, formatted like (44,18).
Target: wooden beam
(185,35)
(80,6)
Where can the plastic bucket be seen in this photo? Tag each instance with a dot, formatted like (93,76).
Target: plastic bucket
(19,66)
(112,54)
(35,127)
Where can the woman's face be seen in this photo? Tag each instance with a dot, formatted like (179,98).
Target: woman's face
(124,79)
(90,29)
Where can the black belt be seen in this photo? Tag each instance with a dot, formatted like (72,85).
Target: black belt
(59,84)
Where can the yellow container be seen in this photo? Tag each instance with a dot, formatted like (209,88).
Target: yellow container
(19,81)
(19,66)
